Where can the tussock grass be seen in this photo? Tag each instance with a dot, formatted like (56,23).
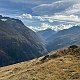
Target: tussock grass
(63,64)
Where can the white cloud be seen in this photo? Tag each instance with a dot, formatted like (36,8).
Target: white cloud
(59,18)
(38,17)
(72,18)
(67,18)
(27,16)
(33,28)
(46,26)
(65,21)
(56,28)
(52,8)
(50,20)
(33,1)
(73,9)
(57,15)
(43,26)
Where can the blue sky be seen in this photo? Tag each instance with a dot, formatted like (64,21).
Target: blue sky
(43,14)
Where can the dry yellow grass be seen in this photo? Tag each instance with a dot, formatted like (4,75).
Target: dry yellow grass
(65,66)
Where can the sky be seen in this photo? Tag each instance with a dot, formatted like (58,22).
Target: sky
(43,14)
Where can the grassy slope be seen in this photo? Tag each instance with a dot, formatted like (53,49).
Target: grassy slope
(63,64)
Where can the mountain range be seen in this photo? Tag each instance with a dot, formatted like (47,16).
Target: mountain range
(64,38)
(46,33)
(53,40)
(17,42)
(19,45)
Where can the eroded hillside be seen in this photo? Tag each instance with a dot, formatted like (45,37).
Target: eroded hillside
(63,64)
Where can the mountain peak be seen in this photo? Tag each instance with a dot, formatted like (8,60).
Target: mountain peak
(46,33)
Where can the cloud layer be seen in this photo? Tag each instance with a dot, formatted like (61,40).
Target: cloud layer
(42,14)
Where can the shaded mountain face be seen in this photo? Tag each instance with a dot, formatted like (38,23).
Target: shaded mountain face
(17,42)
(64,38)
(46,33)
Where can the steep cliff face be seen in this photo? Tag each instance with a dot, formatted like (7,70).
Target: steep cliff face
(18,42)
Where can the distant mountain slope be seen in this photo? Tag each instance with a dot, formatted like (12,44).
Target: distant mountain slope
(46,33)
(18,42)
(63,64)
(64,38)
